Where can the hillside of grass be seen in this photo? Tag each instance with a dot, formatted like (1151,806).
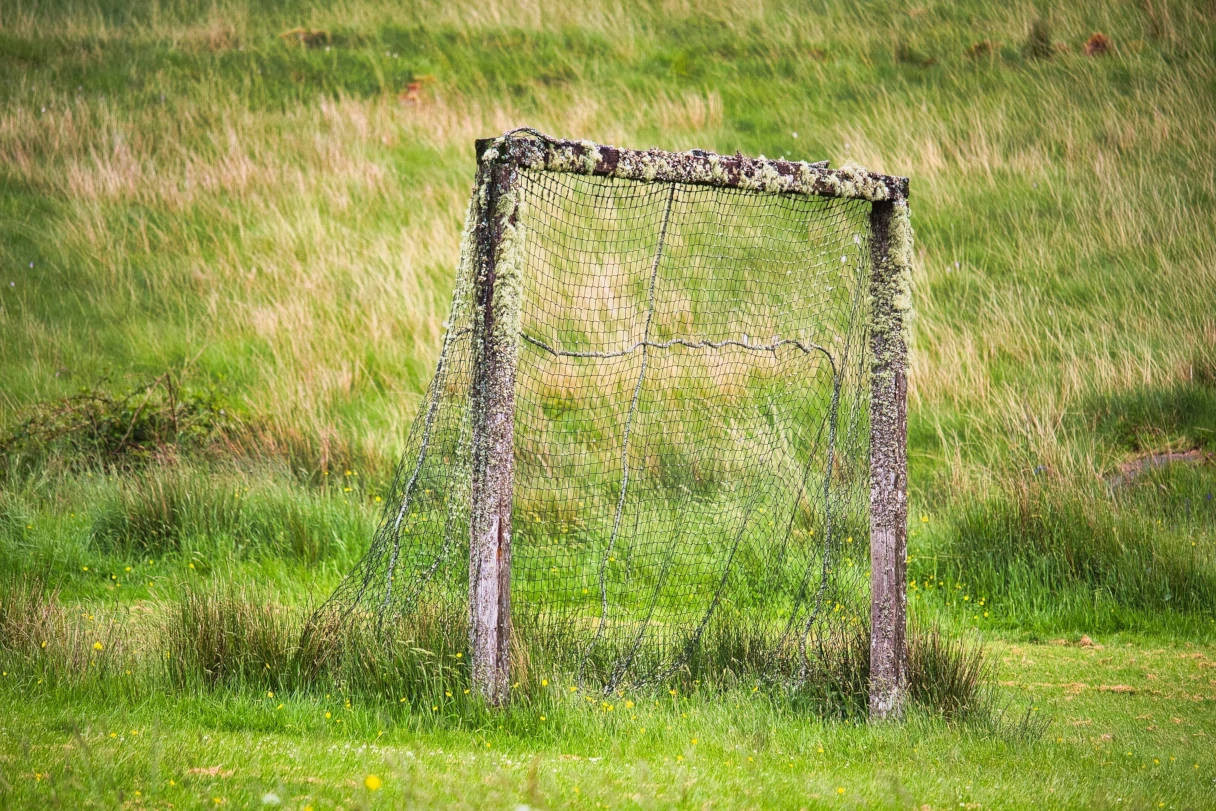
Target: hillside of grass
(228,236)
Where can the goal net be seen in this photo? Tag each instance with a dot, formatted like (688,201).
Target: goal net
(647,443)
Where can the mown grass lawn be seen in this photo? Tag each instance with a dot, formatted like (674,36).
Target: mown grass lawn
(1129,724)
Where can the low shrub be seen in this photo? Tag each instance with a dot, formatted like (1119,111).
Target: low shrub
(97,428)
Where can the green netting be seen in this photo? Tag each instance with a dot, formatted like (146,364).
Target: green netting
(691,437)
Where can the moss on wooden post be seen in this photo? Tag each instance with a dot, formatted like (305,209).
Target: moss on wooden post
(497,287)
(891,303)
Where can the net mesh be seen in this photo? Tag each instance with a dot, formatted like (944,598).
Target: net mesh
(691,436)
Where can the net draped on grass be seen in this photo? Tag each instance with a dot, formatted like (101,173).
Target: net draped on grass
(691,435)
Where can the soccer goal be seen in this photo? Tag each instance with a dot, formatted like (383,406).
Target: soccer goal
(667,427)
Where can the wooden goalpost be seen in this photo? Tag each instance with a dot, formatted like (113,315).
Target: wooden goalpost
(496,302)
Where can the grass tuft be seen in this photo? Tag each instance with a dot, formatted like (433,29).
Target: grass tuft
(950,676)
(1039,43)
(1044,548)
(186,510)
(233,637)
(38,632)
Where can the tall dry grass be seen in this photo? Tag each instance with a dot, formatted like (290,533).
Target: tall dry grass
(308,249)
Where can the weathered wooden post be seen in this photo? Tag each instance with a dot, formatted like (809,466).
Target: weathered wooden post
(890,302)
(496,302)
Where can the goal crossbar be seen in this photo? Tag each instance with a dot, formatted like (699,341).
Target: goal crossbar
(695,167)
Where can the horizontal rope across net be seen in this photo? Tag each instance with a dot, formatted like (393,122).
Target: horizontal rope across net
(691,437)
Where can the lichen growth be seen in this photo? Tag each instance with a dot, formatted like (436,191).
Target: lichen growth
(567,159)
(761,174)
(592,158)
(463,288)
(768,178)
(892,292)
(854,181)
(508,258)
(653,165)
(806,173)
(901,266)
(508,274)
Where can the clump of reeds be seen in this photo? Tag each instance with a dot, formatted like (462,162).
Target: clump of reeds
(166,510)
(237,638)
(59,644)
(1039,43)
(949,676)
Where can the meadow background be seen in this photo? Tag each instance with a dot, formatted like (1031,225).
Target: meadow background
(228,234)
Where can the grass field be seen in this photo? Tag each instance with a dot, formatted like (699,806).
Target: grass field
(228,234)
